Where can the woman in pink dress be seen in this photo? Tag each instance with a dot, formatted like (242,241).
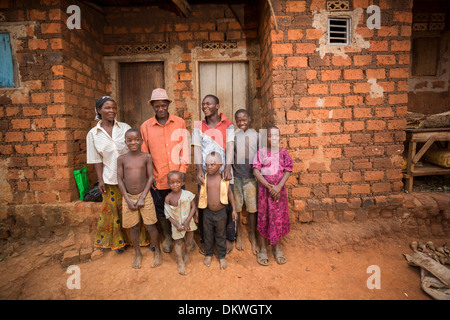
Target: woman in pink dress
(272,167)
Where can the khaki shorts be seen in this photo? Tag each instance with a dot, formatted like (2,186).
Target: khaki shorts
(246,191)
(130,218)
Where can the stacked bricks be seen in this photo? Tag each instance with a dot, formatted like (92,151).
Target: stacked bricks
(46,119)
(346,143)
(207,23)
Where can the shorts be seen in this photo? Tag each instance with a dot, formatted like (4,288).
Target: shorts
(246,191)
(130,218)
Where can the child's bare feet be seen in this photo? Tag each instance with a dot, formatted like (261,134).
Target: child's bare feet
(157,260)
(229,246)
(138,261)
(223,263)
(207,261)
(181,269)
(239,245)
(255,247)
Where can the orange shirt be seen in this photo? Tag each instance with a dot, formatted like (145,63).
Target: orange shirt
(168,146)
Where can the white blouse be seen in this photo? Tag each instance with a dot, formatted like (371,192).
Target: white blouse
(102,148)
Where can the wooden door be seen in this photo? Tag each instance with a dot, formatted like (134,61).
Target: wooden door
(137,81)
(229,82)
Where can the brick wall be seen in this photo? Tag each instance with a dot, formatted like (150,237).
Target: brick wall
(46,118)
(344,133)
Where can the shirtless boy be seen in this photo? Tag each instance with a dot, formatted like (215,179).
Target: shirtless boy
(135,177)
(213,198)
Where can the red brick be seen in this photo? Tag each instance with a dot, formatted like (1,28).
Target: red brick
(319,141)
(305,48)
(45,148)
(361,87)
(403,45)
(42,97)
(309,178)
(382,45)
(403,16)
(295,6)
(296,115)
(330,178)
(382,187)
(340,139)
(353,74)
(20,123)
(340,61)
(338,190)
(386,31)
(339,88)
(54,27)
(34,136)
(295,34)
(353,100)
(397,124)
(359,189)
(353,125)
(328,75)
(13,136)
(375,125)
(351,176)
(330,153)
(376,73)
(24,149)
(383,112)
(388,59)
(43,123)
(31,111)
(298,142)
(398,98)
(297,62)
(313,34)
(353,152)
(362,60)
(301,192)
(318,88)
(36,44)
(399,73)
(331,127)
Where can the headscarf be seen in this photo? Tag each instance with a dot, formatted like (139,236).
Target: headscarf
(99,103)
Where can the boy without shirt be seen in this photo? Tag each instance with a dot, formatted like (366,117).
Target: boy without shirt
(214,195)
(135,177)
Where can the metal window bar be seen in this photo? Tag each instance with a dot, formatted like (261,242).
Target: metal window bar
(338,31)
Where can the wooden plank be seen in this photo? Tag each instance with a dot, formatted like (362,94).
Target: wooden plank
(424,136)
(240,87)
(137,81)
(183,6)
(224,80)
(207,81)
(422,151)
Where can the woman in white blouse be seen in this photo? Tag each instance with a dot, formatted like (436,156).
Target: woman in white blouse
(105,143)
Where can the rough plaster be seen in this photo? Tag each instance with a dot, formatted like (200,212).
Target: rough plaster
(357,42)
(376,91)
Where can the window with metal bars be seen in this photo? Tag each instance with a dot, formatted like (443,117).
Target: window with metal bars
(338,31)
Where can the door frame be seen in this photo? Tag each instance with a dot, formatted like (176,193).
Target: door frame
(249,54)
(112,65)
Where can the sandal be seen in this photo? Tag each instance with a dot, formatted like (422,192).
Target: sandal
(279,257)
(262,258)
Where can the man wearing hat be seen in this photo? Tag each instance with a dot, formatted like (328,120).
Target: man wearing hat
(165,138)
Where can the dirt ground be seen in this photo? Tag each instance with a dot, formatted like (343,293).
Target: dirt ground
(318,267)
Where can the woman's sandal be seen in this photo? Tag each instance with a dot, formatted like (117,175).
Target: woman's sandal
(279,257)
(262,258)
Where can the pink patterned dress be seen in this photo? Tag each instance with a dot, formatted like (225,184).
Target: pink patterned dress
(273,216)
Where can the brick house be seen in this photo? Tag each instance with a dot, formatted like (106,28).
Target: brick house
(340,106)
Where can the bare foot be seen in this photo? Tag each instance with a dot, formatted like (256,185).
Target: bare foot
(255,247)
(157,260)
(181,269)
(239,244)
(186,258)
(223,263)
(138,261)
(207,261)
(229,246)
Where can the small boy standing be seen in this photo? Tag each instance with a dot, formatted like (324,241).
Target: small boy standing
(215,193)
(179,208)
(245,184)
(135,177)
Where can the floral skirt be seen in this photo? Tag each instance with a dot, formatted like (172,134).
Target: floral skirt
(110,233)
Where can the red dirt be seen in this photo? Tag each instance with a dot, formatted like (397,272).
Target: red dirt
(318,267)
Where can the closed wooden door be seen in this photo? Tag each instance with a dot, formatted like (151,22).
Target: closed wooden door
(229,82)
(137,81)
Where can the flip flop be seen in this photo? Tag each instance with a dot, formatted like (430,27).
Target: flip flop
(262,258)
(279,257)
